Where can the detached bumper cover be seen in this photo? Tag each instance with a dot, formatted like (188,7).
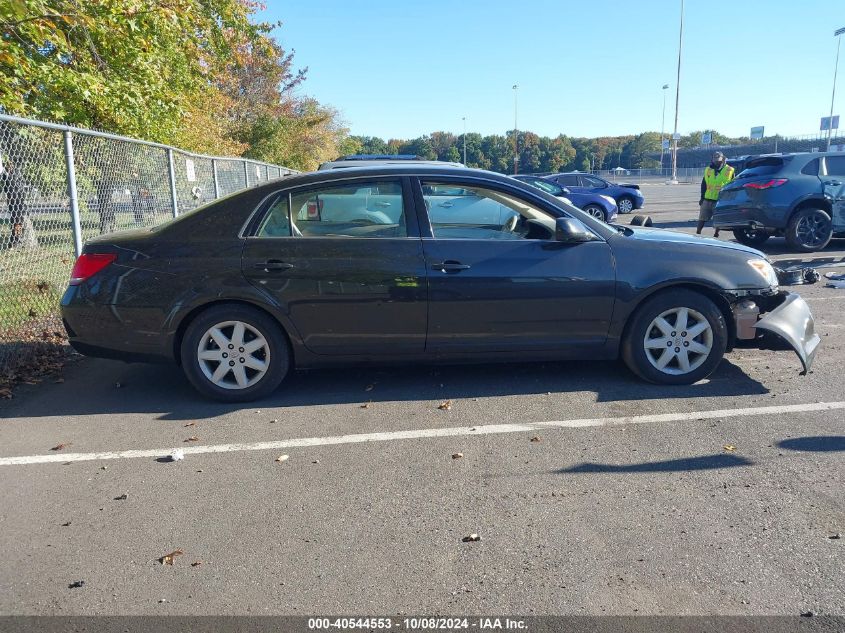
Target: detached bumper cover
(793,322)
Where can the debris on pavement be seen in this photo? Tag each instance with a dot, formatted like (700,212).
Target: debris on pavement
(729,447)
(835,537)
(167,559)
(445,406)
(190,424)
(196,563)
(282,458)
(835,284)
(274,420)
(472,538)
(316,461)
(368,405)
(177,455)
(193,438)
(835,276)
(76,585)
(536,439)
(457,455)
(66,524)
(59,447)
(122,497)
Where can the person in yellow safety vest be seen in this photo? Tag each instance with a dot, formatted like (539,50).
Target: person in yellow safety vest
(716,176)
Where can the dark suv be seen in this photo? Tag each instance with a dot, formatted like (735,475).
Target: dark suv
(798,196)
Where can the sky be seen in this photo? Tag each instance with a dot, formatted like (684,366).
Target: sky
(404,68)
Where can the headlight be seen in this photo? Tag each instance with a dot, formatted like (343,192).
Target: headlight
(765,269)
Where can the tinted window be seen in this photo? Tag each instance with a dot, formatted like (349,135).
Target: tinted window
(567,180)
(596,183)
(277,221)
(811,168)
(484,214)
(545,185)
(835,165)
(368,209)
(762,167)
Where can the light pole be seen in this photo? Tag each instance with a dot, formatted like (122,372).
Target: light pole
(464,119)
(663,127)
(515,132)
(837,35)
(677,99)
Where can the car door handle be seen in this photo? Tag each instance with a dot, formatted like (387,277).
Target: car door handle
(450,266)
(832,183)
(382,204)
(273,264)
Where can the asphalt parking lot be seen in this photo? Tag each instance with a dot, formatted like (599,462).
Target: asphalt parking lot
(592,492)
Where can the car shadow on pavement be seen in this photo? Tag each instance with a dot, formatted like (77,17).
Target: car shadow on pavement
(111,387)
(705,462)
(817,444)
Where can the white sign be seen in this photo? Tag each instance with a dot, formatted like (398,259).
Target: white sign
(676,136)
(814,149)
(258,172)
(757,132)
(666,143)
(706,138)
(829,123)
(189,169)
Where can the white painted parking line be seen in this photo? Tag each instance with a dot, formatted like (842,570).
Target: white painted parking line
(485,429)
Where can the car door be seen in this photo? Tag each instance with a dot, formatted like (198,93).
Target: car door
(346,265)
(834,189)
(510,286)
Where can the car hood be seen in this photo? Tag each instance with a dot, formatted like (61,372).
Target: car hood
(650,234)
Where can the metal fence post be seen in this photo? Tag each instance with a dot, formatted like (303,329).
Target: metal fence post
(75,225)
(172,173)
(214,178)
(246,175)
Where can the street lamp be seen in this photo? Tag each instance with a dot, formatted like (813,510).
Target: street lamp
(837,35)
(663,127)
(464,119)
(515,133)
(677,98)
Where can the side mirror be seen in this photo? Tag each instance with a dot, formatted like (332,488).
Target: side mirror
(571,231)
(565,191)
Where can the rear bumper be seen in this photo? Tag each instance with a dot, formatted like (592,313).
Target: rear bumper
(731,216)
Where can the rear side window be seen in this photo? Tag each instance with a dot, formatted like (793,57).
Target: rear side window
(811,168)
(835,165)
(277,221)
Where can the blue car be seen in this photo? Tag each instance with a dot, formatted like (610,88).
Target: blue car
(599,206)
(628,197)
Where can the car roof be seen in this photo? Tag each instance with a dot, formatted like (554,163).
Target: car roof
(362,162)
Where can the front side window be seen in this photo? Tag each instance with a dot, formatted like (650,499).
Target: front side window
(479,213)
(361,209)
(594,183)
(567,180)
(277,221)
(547,186)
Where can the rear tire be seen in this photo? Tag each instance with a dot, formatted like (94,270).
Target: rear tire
(751,237)
(809,229)
(235,353)
(677,337)
(596,211)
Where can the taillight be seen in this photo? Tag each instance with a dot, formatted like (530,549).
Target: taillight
(89,264)
(774,182)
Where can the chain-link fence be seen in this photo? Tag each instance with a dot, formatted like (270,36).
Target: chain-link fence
(61,185)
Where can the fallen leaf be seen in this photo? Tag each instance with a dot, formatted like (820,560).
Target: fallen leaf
(190,424)
(316,461)
(76,585)
(193,438)
(167,559)
(729,447)
(122,497)
(274,420)
(367,406)
(196,563)
(66,524)
(59,447)
(835,537)
(283,458)
(457,455)
(32,313)
(445,406)
(472,538)
(535,439)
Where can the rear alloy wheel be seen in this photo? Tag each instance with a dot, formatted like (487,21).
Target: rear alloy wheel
(234,353)
(751,237)
(596,211)
(678,338)
(625,204)
(809,230)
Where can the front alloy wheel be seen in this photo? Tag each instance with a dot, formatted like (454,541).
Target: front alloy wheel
(595,211)
(625,204)
(677,337)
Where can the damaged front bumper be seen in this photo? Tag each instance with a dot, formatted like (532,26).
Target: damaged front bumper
(787,316)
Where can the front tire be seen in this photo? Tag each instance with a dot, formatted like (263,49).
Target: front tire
(677,337)
(596,211)
(809,230)
(625,204)
(235,353)
(751,237)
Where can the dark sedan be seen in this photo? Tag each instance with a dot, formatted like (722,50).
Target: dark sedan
(597,205)
(416,263)
(628,197)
